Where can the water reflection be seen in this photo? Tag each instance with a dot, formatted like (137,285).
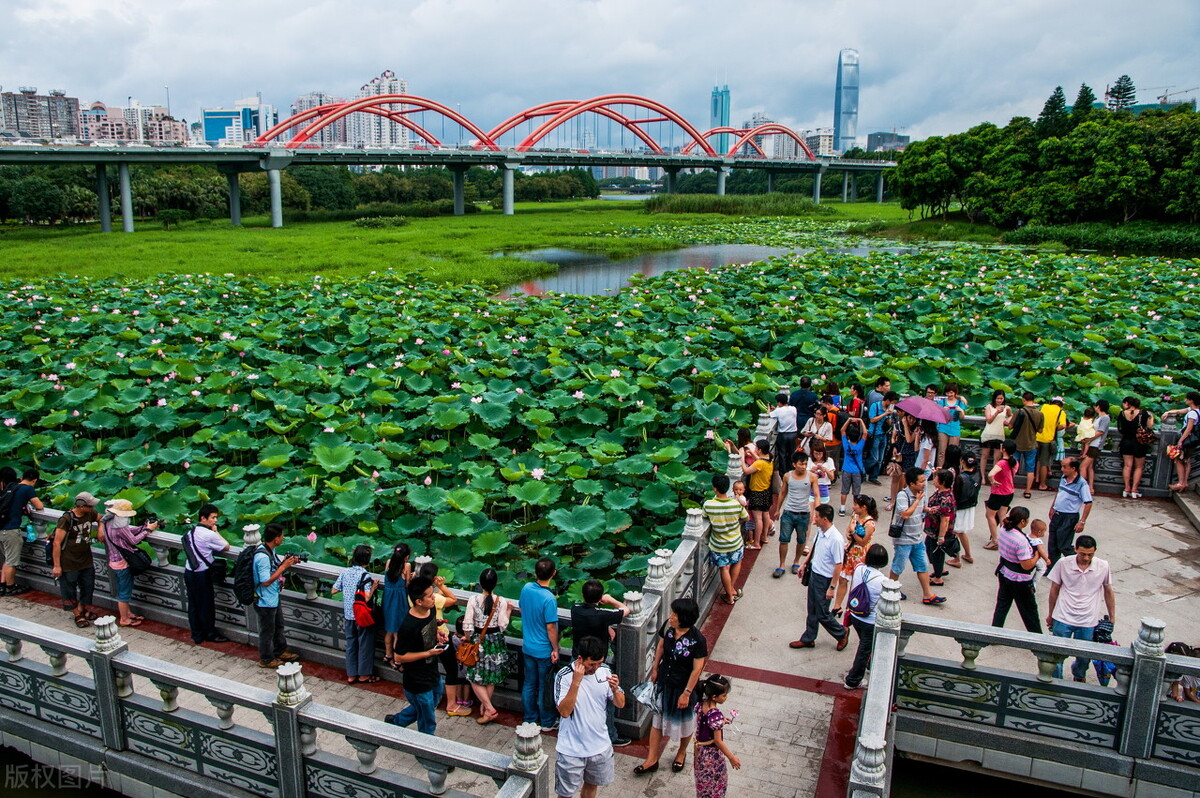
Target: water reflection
(588,274)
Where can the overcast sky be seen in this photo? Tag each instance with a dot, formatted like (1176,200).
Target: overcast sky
(928,66)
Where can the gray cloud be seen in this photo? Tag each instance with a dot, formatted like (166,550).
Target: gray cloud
(935,66)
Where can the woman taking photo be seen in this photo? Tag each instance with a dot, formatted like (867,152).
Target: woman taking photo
(485,619)
(1015,574)
(995,417)
(758,492)
(906,438)
(859,536)
(1189,439)
(1001,477)
(678,662)
(1131,422)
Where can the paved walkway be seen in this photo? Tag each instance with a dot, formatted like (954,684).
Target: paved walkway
(786,699)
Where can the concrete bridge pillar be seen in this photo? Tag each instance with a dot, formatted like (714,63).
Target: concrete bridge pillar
(817,184)
(770,182)
(879,187)
(506,172)
(669,182)
(460,204)
(845,186)
(235,198)
(126,198)
(276,198)
(721,173)
(854,187)
(105,201)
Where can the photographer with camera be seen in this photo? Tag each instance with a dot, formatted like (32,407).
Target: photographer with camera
(269,572)
(200,546)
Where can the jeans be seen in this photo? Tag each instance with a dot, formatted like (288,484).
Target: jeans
(201,605)
(360,648)
(76,587)
(874,459)
(534,699)
(862,657)
(1079,668)
(271,642)
(818,611)
(1009,592)
(122,583)
(1061,535)
(422,708)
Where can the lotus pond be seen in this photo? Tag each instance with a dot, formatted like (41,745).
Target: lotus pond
(487,432)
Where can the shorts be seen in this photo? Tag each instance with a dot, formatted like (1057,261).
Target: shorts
(790,521)
(1028,460)
(1093,452)
(572,772)
(1045,454)
(964,520)
(913,553)
(992,444)
(719,559)
(122,582)
(998,501)
(758,500)
(851,483)
(12,541)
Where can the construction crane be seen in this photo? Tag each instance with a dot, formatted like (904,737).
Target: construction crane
(1165,96)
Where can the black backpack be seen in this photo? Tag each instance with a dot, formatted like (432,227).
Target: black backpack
(967,493)
(245,588)
(6,502)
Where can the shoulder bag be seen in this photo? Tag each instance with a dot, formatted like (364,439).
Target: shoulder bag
(1143,434)
(896,529)
(468,651)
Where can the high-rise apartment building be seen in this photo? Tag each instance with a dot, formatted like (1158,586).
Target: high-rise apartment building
(336,132)
(758,118)
(845,101)
(719,117)
(101,123)
(885,141)
(820,142)
(372,130)
(27,114)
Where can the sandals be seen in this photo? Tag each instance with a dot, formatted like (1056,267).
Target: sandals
(778,572)
(642,770)
(725,599)
(82,622)
(937,583)
(369,679)
(934,600)
(486,718)
(991,545)
(134,621)
(795,568)
(967,558)
(1028,495)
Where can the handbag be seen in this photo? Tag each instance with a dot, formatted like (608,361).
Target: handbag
(645,693)
(1143,434)
(138,561)
(806,574)
(468,651)
(896,528)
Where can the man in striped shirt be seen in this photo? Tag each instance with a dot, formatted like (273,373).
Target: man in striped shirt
(725,516)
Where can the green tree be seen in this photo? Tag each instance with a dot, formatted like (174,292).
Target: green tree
(1122,94)
(38,199)
(1084,102)
(923,179)
(1053,120)
(330,187)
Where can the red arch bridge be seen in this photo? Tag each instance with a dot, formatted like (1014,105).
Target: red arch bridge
(661,137)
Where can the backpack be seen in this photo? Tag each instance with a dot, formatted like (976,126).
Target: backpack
(6,502)
(71,532)
(1019,421)
(859,601)
(245,589)
(967,493)
(365,610)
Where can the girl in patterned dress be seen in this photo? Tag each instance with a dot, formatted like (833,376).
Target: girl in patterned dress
(495,661)
(712,778)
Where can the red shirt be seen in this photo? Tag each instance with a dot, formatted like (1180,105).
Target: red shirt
(1002,484)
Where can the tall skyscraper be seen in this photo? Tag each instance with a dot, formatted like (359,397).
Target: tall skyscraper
(719,117)
(372,130)
(845,101)
(27,114)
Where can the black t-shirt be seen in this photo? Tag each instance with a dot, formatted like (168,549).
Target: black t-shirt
(418,634)
(805,402)
(21,497)
(679,656)
(588,620)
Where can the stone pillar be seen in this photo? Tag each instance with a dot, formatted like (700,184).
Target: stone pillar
(1145,690)
(530,761)
(285,717)
(879,186)
(506,172)
(276,198)
(854,187)
(460,183)
(721,172)
(845,186)
(671,176)
(817,184)
(770,182)
(107,647)
(126,198)
(235,198)
(105,201)
(766,429)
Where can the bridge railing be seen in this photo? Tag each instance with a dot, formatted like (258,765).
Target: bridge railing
(314,622)
(100,719)
(1023,724)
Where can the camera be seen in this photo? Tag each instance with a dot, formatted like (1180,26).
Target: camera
(302,556)
(152,519)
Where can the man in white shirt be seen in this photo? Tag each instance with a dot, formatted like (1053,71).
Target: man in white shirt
(785,433)
(199,547)
(582,690)
(825,555)
(1078,586)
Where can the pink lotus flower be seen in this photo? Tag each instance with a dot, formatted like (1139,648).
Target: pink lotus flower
(520,390)
(477,400)
(312,536)
(328,429)
(74,412)
(456,385)
(445,351)
(538,473)
(234,409)
(186,464)
(710,435)
(578,394)
(419,341)
(615,373)
(10,422)
(162,402)
(428,480)
(195,393)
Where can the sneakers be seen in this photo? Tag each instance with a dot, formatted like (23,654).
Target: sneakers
(5,590)
(621,742)
(275,663)
(218,638)
(551,728)
(849,686)
(842,511)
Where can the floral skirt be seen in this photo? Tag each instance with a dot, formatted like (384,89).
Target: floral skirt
(712,777)
(495,660)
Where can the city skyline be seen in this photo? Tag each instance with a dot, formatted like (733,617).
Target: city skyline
(947,68)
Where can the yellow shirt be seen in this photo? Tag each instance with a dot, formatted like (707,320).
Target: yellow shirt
(760,478)
(1053,417)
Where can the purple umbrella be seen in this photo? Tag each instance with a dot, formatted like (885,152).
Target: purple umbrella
(926,409)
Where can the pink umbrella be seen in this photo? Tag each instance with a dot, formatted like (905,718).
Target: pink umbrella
(922,408)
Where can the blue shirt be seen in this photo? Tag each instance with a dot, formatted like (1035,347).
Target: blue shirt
(265,563)
(852,456)
(347,582)
(953,428)
(1072,495)
(538,608)
(21,497)
(876,409)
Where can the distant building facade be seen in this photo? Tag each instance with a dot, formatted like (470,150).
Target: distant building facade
(886,142)
(336,132)
(758,118)
(719,117)
(248,119)
(845,101)
(27,114)
(136,122)
(372,130)
(820,142)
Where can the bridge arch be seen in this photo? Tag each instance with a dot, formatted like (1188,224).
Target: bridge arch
(716,131)
(325,115)
(766,129)
(564,111)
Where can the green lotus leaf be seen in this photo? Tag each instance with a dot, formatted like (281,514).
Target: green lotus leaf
(450,418)
(132,460)
(167,506)
(453,524)
(468,501)
(136,496)
(359,500)
(489,543)
(588,487)
(333,459)
(492,414)
(578,523)
(659,498)
(424,498)
(621,498)
(665,454)
(530,492)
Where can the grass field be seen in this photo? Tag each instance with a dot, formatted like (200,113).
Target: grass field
(448,249)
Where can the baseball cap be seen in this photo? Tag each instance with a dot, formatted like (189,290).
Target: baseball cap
(86,499)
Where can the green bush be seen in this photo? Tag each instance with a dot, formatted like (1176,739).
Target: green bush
(738,205)
(381,221)
(418,210)
(1142,238)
